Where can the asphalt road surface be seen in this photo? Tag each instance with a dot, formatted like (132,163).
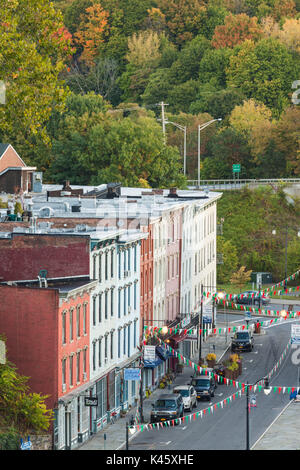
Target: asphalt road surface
(225,429)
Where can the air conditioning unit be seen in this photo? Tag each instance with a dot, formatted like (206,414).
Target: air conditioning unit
(105,360)
(84,376)
(64,387)
(129,310)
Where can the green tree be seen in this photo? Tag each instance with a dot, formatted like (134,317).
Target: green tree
(20,409)
(230,147)
(264,71)
(218,103)
(157,88)
(33,53)
(186,67)
(181,96)
(228,253)
(132,152)
(93,144)
(71,134)
(213,67)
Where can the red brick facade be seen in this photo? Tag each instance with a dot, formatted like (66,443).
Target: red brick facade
(38,338)
(29,321)
(23,256)
(146,305)
(10,158)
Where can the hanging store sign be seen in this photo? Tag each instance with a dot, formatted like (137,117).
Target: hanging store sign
(295,334)
(91,401)
(132,374)
(149,353)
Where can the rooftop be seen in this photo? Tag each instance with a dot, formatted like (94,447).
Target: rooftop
(64,285)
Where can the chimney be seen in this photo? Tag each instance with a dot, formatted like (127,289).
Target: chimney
(173,192)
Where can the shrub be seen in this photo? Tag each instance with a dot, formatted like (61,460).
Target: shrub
(233,366)
(234,358)
(211,357)
(9,440)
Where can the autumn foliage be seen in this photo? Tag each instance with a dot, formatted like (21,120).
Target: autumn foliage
(90,33)
(237,29)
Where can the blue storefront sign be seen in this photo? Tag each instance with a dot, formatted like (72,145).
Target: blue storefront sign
(132,374)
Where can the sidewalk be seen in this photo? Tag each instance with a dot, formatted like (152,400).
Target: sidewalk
(284,432)
(113,436)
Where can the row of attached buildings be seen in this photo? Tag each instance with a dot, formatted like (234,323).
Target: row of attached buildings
(83,270)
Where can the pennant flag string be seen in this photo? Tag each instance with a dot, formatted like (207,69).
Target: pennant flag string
(217,330)
(227,381)
(187,418)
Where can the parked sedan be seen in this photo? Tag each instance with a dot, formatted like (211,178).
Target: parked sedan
(189,396)
(251,297)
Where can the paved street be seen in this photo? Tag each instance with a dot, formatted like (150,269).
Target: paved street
(212,430)
(225,429)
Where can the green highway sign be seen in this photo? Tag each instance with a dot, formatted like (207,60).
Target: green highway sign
(236,168)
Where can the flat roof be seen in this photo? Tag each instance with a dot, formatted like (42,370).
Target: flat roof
(64,285)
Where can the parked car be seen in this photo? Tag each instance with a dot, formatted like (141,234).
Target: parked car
(249,299)
(242,341)
(205,386)
(188,394)
(167,407)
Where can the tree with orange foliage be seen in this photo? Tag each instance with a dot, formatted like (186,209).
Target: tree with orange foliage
(284,9)
(91,32)
(237,29)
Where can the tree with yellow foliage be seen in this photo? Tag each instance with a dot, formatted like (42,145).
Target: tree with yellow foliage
(241,277)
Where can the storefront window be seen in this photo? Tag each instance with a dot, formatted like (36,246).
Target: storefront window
(102,398)
(118,390)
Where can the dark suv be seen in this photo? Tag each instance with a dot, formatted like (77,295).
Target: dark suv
(167,407)
(242,341)
(205,386)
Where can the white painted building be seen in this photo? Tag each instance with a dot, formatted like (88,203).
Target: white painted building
(115,321)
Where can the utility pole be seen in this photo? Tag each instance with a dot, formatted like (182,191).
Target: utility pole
(142,375)
(200,324)
(163,121)
(247,418)
(286,245)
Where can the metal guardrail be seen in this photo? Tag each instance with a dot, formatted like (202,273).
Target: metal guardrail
(237,183)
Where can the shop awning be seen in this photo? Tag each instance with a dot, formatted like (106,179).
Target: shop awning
(162,353)
(179,337)
(152,364)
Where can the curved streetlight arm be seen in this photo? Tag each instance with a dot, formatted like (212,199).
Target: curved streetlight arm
(182,128)
(267,391)
(200,128)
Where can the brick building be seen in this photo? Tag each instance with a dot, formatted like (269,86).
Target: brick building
(15,175)
(47,332)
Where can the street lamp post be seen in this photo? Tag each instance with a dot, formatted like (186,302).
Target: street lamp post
(267,390)
(200,325)
(182,128)
(220,296)
(200,128)
(286,246)
(129,429)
